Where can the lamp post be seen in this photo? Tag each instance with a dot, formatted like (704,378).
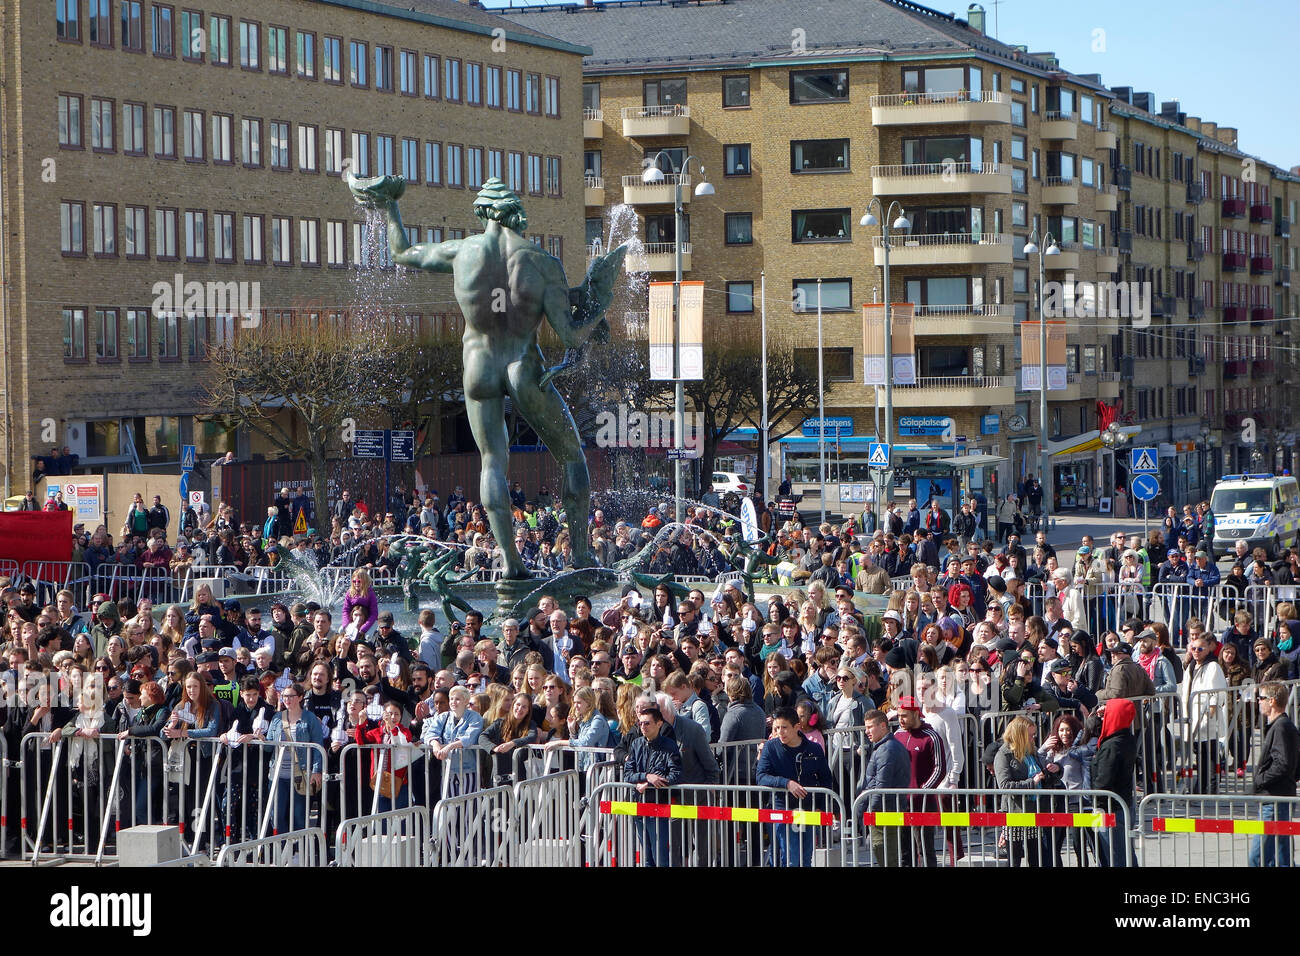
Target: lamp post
(902,224)
(1043,474)
(763,427)
(652,175)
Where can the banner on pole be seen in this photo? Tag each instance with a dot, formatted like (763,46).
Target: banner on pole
(691,302)
(902,343)
(1030,360)
(661,331)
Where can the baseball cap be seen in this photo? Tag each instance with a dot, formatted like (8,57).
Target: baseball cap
(227,652)
(1123,647)
(208,658)
(1056,666)
(385,617)
(232,605)
(1171,552)
(1202,553)
(892,616)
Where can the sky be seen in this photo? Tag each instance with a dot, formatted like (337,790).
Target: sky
(1175,50)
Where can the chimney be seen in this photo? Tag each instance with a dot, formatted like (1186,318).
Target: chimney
(1210,129)
(1193,123)
(1144,101)
(1123,93)
(1169,109)
(1228,135)
(975,17)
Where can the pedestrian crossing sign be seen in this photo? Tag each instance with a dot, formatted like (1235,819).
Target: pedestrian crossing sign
(300,526)
(878,455)
(1144,461)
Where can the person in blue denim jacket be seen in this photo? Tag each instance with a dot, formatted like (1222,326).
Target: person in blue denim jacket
(299,770)
(448,736)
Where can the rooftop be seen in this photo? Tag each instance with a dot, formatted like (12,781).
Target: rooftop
(467,17)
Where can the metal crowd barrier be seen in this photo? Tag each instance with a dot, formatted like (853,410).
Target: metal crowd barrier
(10,569)
(706,825)
(1182,830)
(1214,751)
(547,820)
(127,582)
(295,848)
(736,761)
(395,838)
(1041,828)
(535,760)
(475,829)
(4,798)
(1262,601)
(50,577)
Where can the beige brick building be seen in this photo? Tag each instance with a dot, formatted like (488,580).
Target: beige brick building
(800,115)
(144,140)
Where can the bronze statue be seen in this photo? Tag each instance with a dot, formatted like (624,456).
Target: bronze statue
(505,286)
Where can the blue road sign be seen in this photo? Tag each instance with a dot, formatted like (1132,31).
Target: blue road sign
(1145,487)
(1144,461)
(401,445)
(877,455)
(187,457)
(185,486)
(369,443)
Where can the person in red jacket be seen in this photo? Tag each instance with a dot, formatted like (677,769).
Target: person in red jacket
(390,778)
(929,758)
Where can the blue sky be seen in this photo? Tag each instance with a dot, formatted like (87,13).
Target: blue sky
(1226,62)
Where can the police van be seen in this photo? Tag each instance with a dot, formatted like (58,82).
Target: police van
(1262,510)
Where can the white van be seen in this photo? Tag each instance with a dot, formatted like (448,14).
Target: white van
(1262,510)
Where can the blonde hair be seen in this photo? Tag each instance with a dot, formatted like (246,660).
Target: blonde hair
(366,586)
(1019,737)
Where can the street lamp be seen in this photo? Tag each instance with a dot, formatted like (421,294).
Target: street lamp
(901,224)
(651,176)
(1044,474)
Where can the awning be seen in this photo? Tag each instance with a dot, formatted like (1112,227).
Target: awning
(967,462)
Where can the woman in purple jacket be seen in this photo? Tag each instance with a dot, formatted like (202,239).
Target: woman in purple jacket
(362,592)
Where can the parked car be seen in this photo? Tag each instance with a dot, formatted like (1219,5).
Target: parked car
(724,481)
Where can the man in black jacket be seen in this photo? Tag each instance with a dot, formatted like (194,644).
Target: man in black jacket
(653,764)
(1276,768)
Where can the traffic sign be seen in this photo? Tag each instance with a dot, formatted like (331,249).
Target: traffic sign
(187,457)
(300,526)
(1145,487)
(878,455)
(401,445)
(369,443)
(185,484)
(1144,461)
(682,454)
(196,499)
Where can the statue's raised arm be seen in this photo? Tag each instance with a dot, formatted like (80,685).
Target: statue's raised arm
(382,193)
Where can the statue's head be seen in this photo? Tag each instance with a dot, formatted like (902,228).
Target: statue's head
(497,202)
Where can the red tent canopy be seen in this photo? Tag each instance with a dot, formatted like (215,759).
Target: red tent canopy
(36,536)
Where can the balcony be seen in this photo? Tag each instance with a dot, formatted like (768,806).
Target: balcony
(1060,191)
(1158,303)
(1108,384)
(1261,367)
(1059,126)
(1195,194)
(1234,368)
(1234,313)
(946,249)
(1261,212)
(961,391)
(963,319)
(593,124)
(593,190)
(1108,260)
(1067,260)
(1261,265)
(1124,240)
(1282,276)
(1073,390)
(1232,208)
(1107,199)
(1168,304)
(639,193)
(1196,308)
(649,121)
(1195,251)
(1234,261)
(1282,227)
(925,109)
(659,257)
(1106,138)
(929,179)
(1261,313)
(1123,178)
(1195,365)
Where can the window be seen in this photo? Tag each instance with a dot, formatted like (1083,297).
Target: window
(1017,113)
(552,175)
(533,93)
(101,22)
(819,86)
(553,96)
(335,251)
(253,233)
(663,228)
(836,295)
(474,84)
(740,297)
(819,155)
(333,151)
(736,158)
(455,166)
(67,20)
(307,148)
(357,64)
(516,171)
(555,246)
(1033,98)
(1087,173)
(249,45)
(534,174)
(1019,213)
(384,148)
(308,242)
(281,240)
(251,142)
(820,225)
(74,335)
(278,134)
(164,132)
(135,234)
(306,59)
(196,335)
(192,35)
(106,335)
(670,92)
(223,236)
(105,222)
(431,71)
(169,338)
(196,235)
(493,96)
(137,334)
(1085,109)
(433,164)
(194,151)
(72,228)
(69,121)
(451,80)
(133,129)
(1018,181)
(408,75)
(384,69)
(360,154)
(496,160)
(1020,281)
(277,50)
(161,22)
(735,92)
(164,234)
(132,26)
(219,40)
(739,228)
(332,59)
(514,94)
(837,364)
